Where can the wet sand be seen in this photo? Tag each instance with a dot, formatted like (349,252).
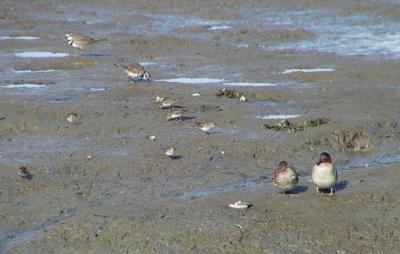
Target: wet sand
(102,186)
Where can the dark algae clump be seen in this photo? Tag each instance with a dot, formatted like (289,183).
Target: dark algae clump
(290,126)
(231,93)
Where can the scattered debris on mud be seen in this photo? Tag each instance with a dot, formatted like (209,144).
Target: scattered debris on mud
(290,126)
(231,93)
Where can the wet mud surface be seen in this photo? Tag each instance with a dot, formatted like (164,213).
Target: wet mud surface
(101,186)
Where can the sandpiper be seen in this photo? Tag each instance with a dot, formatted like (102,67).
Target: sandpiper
(285,178)
(167,102)
(323,174)
(23,172)
(175,113)
(72,117)
(206,126)
(135,71)
(169,151)
(159,99)
(80,41)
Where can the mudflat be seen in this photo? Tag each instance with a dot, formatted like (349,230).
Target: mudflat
(101,185)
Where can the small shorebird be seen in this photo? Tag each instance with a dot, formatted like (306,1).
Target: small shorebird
(323,174)
(135,71)
(80,41)
(167,102)
(175,113)
(23,172)
(206,126)
(72,117)
(170,151)
(159,99)
(285,178)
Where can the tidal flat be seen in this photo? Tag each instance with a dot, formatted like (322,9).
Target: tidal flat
(100,185)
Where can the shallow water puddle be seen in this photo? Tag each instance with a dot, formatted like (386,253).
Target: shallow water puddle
(222,27)
(308,70)
(36,54)
(271,117)
(243,45)
(248,84)
(97,89)
(31,71)
(373,161)
(19,38)
(215,81)
(147,63)
(192,80)
(95,55)
(218,189)
(23,86)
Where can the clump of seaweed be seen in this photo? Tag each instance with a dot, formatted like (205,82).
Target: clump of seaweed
(286,125)
(231,93)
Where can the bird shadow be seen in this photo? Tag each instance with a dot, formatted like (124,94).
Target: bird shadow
(75,123)
(171,107)
(341,185)
(337,187)
(175,157)
(212,132)
(183,118)
(298,190)
(28,176)
(94,54)
(137,81)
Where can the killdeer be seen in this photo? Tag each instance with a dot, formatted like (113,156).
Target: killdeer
(80,41)
(135,71)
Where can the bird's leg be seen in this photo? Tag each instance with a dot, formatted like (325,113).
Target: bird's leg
(317,190)
(332,191)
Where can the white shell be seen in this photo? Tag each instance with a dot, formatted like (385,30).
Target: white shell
(239,205)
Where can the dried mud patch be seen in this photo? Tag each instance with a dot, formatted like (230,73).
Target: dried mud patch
(355,139)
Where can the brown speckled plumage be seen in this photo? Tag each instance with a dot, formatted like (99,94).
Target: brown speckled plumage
(206,126)
(285,178)
(167,102)
(175,113)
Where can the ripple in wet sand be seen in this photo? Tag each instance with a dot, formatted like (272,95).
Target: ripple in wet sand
(271,117)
